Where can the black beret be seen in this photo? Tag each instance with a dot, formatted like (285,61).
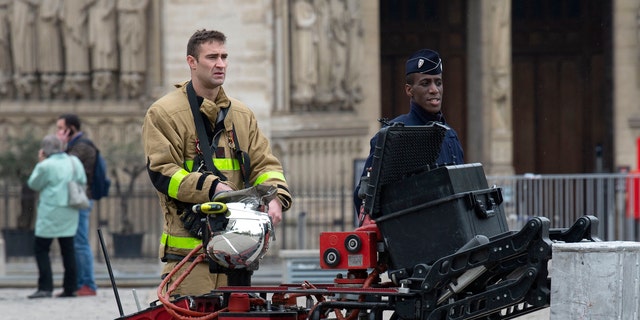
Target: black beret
(424,61)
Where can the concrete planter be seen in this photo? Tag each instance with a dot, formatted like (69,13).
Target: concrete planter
(18,242)
(127,245)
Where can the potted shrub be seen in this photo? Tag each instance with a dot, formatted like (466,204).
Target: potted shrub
(16,163)
(126,163)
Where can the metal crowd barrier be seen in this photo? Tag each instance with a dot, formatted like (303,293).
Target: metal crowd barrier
(612,198)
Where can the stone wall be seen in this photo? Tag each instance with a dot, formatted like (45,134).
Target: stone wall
(278,66)
(626,64)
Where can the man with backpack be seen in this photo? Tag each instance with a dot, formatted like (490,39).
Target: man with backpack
(68,130)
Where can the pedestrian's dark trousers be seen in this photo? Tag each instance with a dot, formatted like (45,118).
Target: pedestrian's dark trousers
(45,279)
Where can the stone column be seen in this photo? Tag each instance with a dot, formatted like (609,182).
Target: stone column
(490,133)
(626,77)
(6,64)
(23,46)
(3,261)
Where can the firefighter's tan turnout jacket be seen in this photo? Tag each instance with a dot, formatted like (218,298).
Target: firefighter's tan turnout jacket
(169,137)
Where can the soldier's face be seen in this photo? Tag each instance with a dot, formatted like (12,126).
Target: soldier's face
(426,91)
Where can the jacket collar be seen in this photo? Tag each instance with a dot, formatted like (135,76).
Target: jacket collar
(211,108)
(208,107)
(75,139)
(424,116)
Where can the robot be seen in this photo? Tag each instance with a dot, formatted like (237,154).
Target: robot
(433,244)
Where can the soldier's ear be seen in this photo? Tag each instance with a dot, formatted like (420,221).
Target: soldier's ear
(408,89)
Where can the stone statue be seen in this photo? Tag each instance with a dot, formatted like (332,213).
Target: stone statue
(6,64)
(23,46)
(338,24)
(500,65)
(355,53)
(132,39)
(50,48)
(304,56)
(104,46)
(76,42)
(333,34)
(324,95)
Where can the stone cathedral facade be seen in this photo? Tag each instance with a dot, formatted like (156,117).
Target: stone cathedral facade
(308,68)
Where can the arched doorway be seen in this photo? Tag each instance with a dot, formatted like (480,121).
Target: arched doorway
(561,75)
(562,86)
(407,26)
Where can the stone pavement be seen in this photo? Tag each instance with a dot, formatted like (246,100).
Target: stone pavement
(133,278)
(15,306)
(21,275)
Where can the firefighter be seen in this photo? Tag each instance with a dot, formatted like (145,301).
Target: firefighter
(178,168)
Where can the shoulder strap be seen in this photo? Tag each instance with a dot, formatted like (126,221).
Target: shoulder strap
(214,136)
(243,159)
(73,168)
(201,130)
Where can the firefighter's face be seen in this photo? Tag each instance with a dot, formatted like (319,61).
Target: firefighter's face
(210,67)
(426,90)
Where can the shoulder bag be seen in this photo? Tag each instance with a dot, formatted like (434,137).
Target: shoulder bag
(77,195)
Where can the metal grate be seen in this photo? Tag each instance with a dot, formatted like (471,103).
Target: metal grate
(401,151)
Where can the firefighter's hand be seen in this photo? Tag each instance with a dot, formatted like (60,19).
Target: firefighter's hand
(221,187)
(275,211)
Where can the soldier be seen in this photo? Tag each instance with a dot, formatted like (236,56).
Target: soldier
(424,86)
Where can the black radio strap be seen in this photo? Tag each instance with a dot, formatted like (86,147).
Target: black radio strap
(243,159)
(202,133)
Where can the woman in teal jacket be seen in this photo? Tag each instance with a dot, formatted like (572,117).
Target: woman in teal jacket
(55,219)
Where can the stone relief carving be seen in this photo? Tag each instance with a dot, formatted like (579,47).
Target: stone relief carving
(327,43)
(75,17)
(6,65)
(500,66)
(305,74)
(500,92)
(132,41)
(23,46)
(50,49)
(338,40)
(104,46)
(73,49)
(356,52)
